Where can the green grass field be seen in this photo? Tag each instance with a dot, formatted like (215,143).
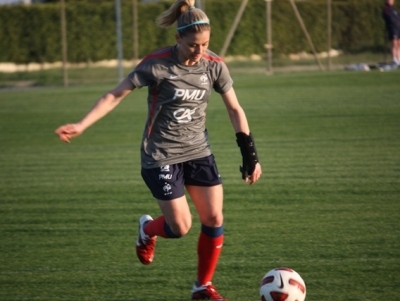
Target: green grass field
(328,204)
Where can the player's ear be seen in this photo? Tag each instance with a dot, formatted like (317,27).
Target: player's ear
(177,38)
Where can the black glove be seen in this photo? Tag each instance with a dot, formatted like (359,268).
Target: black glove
(249,154)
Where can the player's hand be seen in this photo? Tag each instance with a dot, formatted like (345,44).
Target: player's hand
(68,131)
(255,176)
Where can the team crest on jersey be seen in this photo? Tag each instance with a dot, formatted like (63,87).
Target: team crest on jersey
(204,79)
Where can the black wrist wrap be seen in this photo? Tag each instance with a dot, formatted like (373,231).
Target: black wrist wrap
(249,153)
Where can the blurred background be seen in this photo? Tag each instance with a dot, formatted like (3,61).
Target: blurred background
(72,42)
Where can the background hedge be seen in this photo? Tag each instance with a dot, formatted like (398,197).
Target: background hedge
(32,33)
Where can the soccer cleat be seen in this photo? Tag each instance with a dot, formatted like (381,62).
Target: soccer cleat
(145,244)
(206,292)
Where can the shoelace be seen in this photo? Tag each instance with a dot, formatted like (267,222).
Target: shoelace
(212,290)
(148,242)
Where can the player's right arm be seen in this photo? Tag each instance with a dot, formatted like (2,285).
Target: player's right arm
(102,107)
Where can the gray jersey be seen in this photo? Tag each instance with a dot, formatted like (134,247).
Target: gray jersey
(177,99)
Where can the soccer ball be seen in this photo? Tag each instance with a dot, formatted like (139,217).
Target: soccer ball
(282,284)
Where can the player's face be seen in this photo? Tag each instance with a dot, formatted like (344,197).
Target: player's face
(192,47)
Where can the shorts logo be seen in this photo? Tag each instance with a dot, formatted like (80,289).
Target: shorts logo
(167,189)
(164,168)
(184,115)
(164,177)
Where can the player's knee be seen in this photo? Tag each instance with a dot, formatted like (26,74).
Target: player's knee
(213,221)
(181,228)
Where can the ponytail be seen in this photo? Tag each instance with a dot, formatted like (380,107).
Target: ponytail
(189,19)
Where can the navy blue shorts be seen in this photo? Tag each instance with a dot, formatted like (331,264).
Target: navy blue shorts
(168,182)
(393,33)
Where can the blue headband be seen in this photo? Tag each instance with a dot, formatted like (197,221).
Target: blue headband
(194,23)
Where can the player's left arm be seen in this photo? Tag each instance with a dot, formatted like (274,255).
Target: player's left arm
(251,169)
(102,107)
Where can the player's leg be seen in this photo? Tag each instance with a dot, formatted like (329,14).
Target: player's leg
(394,46)
(396,50)
(166,185)
(208,202)
(174,222)
(393,50)
(204,186)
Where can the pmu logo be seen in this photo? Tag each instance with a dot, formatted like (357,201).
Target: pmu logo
(184,115)
(187,94)
(165,177)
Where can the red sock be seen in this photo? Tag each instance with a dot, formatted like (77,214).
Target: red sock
(159,227)
(208,250)
(156,227)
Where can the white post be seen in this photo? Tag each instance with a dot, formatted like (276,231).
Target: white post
(199,4)
(269,46)
(135,30)
(64,44)
(119,39)
(329,33)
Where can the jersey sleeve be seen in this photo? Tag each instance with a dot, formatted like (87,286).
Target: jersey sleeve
(142,75)
(223,82)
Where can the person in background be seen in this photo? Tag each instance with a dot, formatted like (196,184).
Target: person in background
(392,22)
(175,151)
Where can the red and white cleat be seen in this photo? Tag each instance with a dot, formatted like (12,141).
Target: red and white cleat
(206,292)
(145,245)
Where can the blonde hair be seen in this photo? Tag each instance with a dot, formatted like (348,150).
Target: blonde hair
(189,19)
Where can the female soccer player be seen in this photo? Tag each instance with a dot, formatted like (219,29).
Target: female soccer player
(392,22)
(175,153)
